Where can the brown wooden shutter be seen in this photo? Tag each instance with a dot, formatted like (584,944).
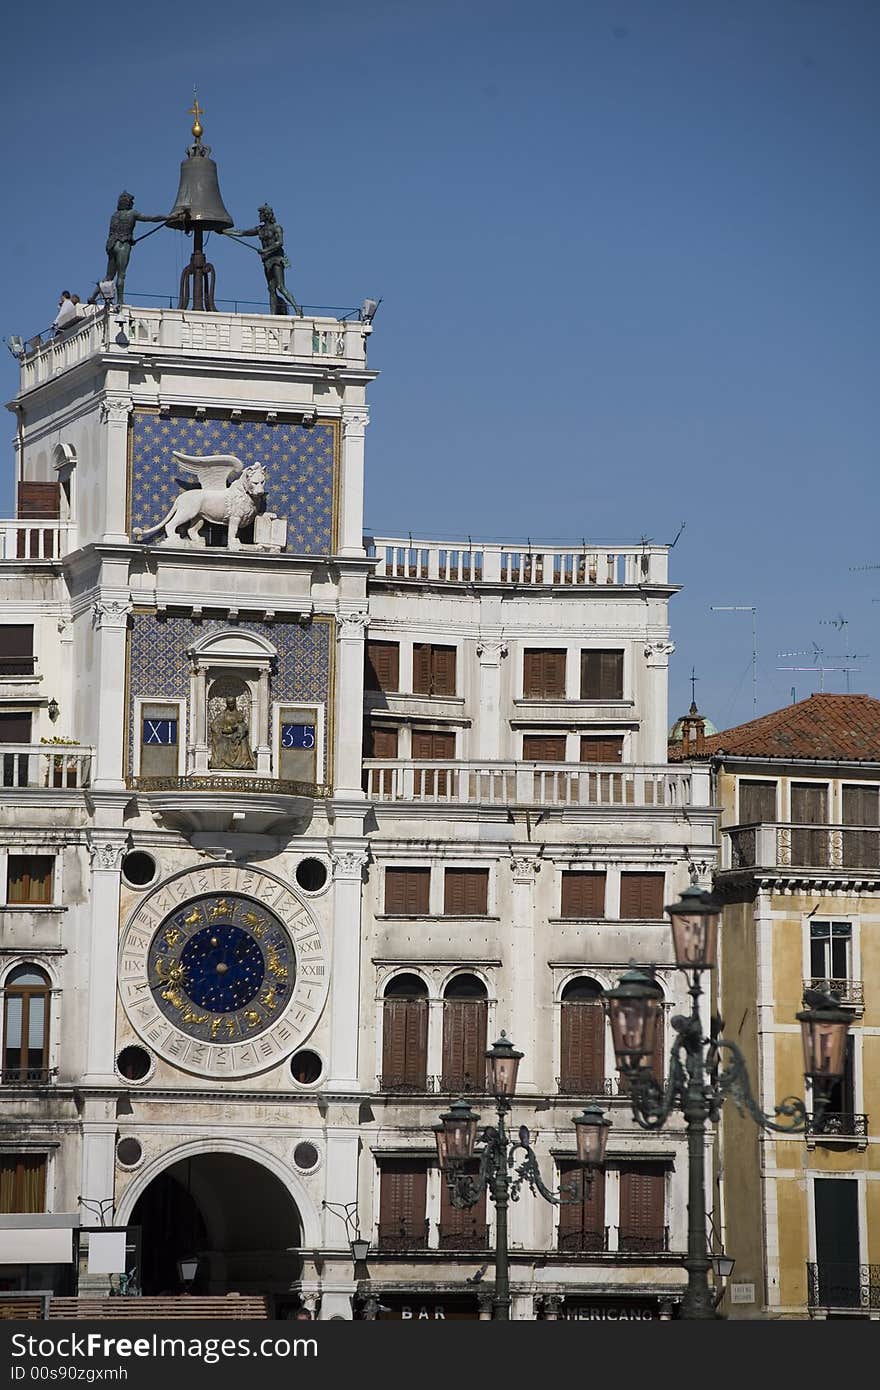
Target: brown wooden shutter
(582,1048)
(466,892)
(16,649)
(601,750)
(22,1183)
(582,1220)
(543,748)
(407,892)
(429,744)
(404,1044)
(39,501)
(421,678)
(544,673)
(583,894)
(15,728)
(809,806)
(443,671)
(464,1045)
(382,666)
(641,896)
(757,803)
(642,1207)
(403,1191)
(382,741)
(601,675)
(463,1228)
(861,807)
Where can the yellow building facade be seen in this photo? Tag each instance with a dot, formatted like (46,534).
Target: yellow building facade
(799,877)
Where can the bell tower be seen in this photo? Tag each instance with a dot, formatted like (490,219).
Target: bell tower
(198,208)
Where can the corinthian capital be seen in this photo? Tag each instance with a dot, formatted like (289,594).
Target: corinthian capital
(353,625)
(115,410)
(659,652)
(106,854)
(354,423)
(349,863)
(111,612)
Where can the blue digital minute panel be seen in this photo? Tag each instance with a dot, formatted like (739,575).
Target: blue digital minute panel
(297,735)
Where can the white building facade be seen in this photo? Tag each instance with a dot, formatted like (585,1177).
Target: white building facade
(293,822)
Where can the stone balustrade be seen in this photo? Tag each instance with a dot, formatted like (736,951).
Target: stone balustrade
(539,566)
(66,766)
(532,784)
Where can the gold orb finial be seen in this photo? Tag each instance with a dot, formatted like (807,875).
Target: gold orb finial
(195,111)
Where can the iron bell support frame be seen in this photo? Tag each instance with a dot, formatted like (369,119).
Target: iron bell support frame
(198,208)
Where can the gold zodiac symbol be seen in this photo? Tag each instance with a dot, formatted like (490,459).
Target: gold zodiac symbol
(222,909)
(194,917)
(256,924)
(190,1017)
(172,936)
(275,967)
(270,998)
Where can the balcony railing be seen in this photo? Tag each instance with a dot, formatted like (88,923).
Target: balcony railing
(403,1235)
(453,562)
(638,1243)
(26,1076)
(240,335)
(849,992)
(402,1084)
(843,1286)
(809,847)
(583,1242)
(837,1124)
(526,784)
(579,1086)
(24,765)
(477,1238)
(462,1084)
(35,540)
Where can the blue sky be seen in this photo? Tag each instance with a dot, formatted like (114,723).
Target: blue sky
(627,253)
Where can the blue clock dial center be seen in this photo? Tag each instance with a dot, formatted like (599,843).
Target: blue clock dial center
(224,968)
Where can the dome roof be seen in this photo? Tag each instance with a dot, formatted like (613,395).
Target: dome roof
(676,733)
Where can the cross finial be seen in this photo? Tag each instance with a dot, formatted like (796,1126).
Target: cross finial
(694,679)
(195,111)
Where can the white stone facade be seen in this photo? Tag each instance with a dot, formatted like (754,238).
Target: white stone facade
(125,633)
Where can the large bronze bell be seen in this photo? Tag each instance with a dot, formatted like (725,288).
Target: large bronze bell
(198,202)
(198,208)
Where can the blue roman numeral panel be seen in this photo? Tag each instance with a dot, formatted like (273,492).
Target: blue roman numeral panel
(162,731)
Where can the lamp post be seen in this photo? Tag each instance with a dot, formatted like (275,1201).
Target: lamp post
(499,1174)
(705,1072)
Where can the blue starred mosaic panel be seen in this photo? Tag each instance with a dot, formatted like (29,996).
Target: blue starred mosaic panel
(159,668)
(300,465)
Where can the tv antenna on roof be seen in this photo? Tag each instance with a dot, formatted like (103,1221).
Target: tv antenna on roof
(745,608)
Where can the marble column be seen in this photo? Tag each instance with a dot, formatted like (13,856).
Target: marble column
(99,965)
(347,766)
(351,529)
(348,865)
(110,618)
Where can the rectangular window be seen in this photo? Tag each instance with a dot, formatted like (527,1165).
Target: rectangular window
(583,894)
(642,1208)
(22,1183)
(382,666)
(298,744)
(809,806)
(582,1213)
(830,950)
(463,1228)
(601,675)
(641,896)
(16,649)
(861,807)
(30,878)
(836,1202)
(433,669)
(466,892)
(160,734)
(757,803)
(429,745)
(403,1190)
(407,892)
(543,673)
(601,750)
(543,748)
(39,501)
(380,741)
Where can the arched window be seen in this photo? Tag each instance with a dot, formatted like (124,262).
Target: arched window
(582,1052)
(405,1035)
(465,1009)
(26,1025)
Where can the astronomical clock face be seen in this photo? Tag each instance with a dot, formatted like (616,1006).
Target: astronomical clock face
(223,971)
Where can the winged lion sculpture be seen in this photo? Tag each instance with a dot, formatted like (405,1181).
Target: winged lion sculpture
(228,494)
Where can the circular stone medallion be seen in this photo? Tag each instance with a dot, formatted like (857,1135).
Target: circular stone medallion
(223,971)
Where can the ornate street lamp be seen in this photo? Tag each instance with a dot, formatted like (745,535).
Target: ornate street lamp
(498,1172)
(704,1072)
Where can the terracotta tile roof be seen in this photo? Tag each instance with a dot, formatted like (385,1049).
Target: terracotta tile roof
(830,727)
